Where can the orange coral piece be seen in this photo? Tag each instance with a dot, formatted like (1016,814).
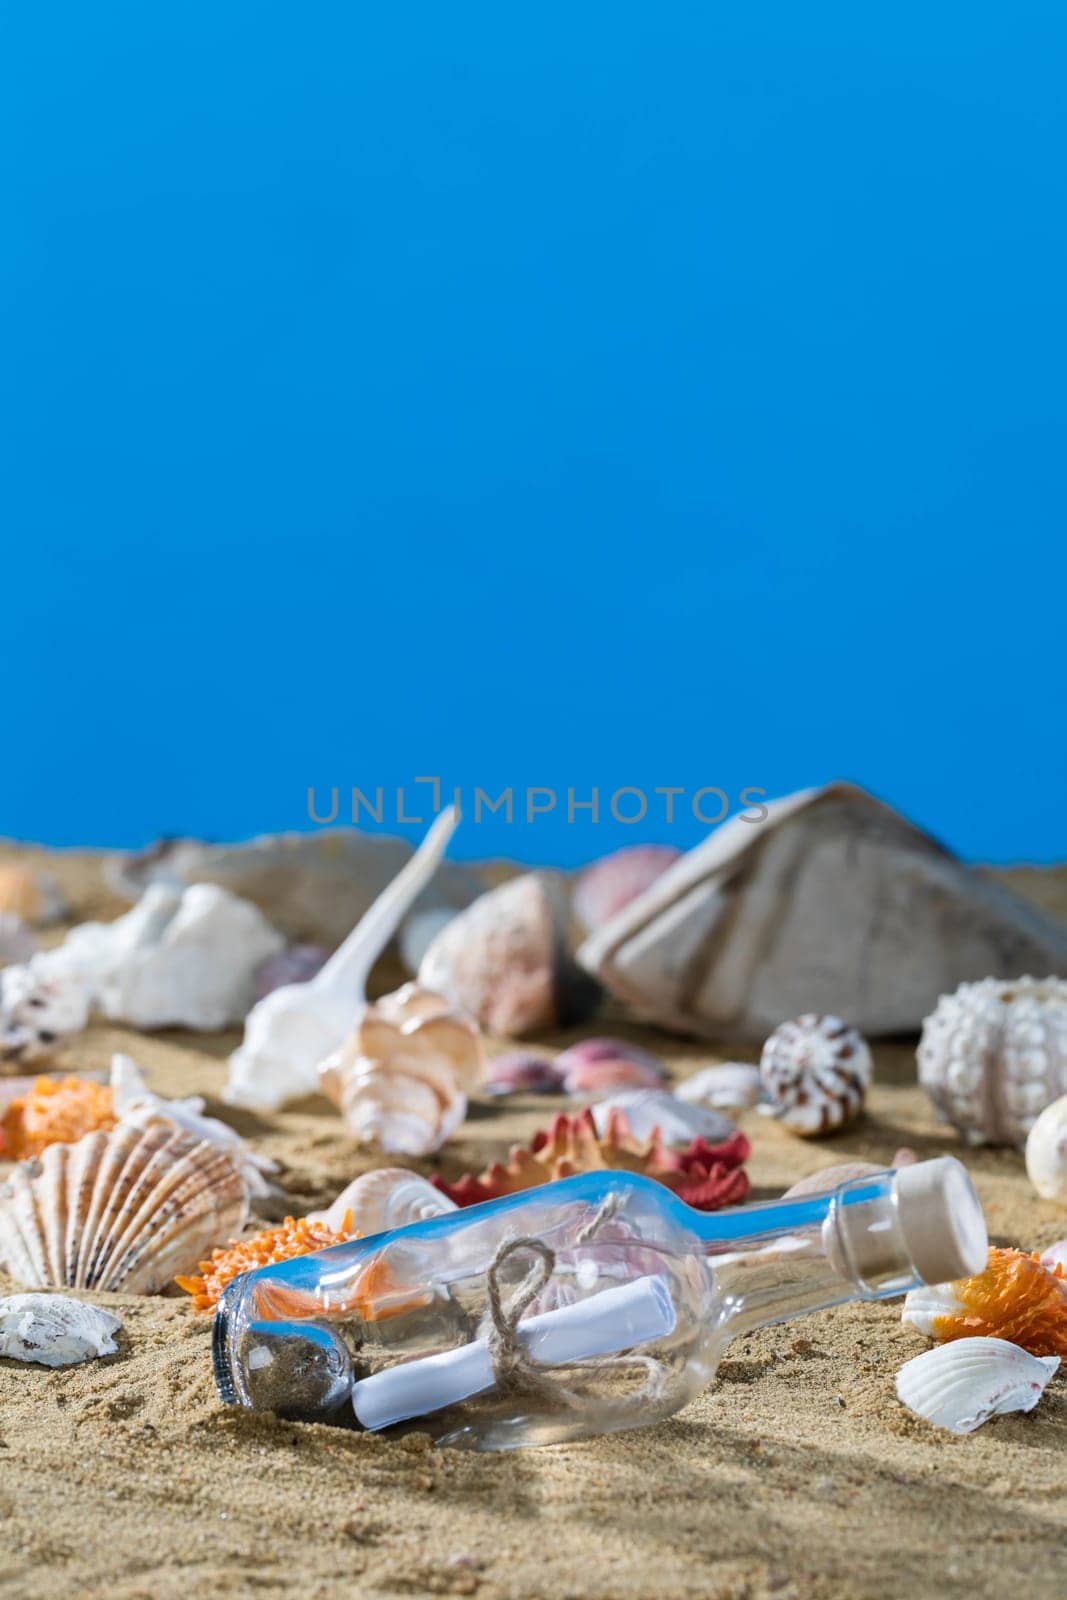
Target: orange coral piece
(295,1237)
(1015,1298)
(55,1113)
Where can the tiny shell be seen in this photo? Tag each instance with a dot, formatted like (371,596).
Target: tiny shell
(961,1385)
(125,1210)
(53,1330)
(993,1055)
(401,1079)
(298,964)
(730,1086)
(17,943)
(523,1072)
(604,888)
(816,1070)
(1046,1152)
(596,1066)
(657,1111)
(388,1198)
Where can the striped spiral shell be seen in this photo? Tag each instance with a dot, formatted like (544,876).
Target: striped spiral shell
(816,1070)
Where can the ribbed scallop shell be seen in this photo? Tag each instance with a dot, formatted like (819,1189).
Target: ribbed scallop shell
(993,1055)
(816,1071)
(401,1080)
(959,1386)
(125,1210)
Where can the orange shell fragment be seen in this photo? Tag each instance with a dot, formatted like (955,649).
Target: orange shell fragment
(1016,1298)
(294,1237)
(55,1112)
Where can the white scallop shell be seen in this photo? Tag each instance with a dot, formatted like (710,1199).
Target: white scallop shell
(816,1070)
(730,1086)
(389,1198)
(400,1080)
(993,1055)
(53,1330)
(126,1210)
(677,1121)
(1046,1152)
(959,1386)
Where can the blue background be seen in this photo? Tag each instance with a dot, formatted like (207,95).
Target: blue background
(560,395)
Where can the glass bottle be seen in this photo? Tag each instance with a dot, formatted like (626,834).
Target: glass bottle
(584,1306)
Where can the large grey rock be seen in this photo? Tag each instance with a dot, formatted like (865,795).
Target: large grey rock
(833,903)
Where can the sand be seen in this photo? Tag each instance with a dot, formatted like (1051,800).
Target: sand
(797,1476)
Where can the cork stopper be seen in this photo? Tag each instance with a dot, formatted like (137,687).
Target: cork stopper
(941,1220)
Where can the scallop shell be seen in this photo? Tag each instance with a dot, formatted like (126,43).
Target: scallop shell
(401,1080)
(596,1066)
(1046,1152)
(658,1112)
(993,1055)
(125,1210)
(378,1201)
(54,1331)
(961,1385)
(816,1071)
(606,887)
(730,1086)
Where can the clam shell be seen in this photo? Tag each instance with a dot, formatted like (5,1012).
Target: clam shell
(125,1210)
(606,887)
(959,1386)
(650,1109)
(993,1055)
(1046,1152)
(816,1071)
(596,1066)
(389,1198)
(54,1331)
(731,1086)
(523,1072)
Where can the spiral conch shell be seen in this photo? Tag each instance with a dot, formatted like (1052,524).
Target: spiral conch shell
(816,1071)
(125,1210)
(378,1201)
(993,1055)
(401,1079)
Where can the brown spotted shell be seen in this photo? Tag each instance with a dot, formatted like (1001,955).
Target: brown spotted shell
(816,1070)
(125,1210)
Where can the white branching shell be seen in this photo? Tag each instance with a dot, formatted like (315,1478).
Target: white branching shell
(993,1055)
(959,1386)
(293,1030)
(816,1071)
(53,1330)
(1046,1152)
(401,1079)
(38,1013)
(133,1101)
(731,1086)
(126,1210)
(677,1121)
(389,1198)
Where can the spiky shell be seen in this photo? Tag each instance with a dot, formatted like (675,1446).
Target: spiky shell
(993,1055)
(959,1386)
(389,1198)
(816,1070)
(400,1080)
(126,1210)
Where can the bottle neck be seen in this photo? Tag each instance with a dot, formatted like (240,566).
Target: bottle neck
(789,1257)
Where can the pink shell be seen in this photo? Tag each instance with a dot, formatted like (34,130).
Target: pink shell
(611,883)
(522,1072)
(597,1066)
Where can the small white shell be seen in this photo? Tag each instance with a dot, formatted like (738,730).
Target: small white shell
(816,1070)
(959,1386)
(993,1055)
(38,1012)
(1055,1255)
(54,1331)
(677,1121)
(121,1211)
(1046,1152)
(924,1305)
(731,1086)
(389,1198)
(17,943)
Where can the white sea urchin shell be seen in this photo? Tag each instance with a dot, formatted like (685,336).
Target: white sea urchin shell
(959,1386)
(816,1071)
(993,1055)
